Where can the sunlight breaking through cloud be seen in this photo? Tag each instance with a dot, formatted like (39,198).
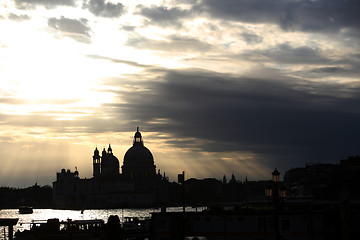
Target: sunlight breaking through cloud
(217,86)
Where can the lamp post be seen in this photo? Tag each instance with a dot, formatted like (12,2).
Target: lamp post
(181,180)
(276,194)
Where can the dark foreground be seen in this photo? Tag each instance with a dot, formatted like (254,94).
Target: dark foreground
(53,229)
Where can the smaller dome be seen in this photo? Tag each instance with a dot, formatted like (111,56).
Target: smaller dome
(138,134)
(110,159)
(109,164)
(96,152)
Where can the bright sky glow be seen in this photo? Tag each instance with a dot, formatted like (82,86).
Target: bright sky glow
(217,87)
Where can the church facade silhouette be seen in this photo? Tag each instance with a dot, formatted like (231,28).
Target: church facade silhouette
(137,186)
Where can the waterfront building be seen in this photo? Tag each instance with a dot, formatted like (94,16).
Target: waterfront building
(137,186)
(325,181)
(298,220)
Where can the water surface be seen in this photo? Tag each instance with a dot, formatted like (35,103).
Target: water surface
(43,214)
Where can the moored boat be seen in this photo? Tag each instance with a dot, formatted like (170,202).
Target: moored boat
(54,229)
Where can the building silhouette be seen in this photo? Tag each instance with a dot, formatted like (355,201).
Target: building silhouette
(138,185)
(325,181)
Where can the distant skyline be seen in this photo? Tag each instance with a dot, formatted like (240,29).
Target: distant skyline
(216,87)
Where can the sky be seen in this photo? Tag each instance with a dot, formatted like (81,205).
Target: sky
(217,87)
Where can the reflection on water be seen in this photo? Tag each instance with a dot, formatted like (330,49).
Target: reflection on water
(44,214)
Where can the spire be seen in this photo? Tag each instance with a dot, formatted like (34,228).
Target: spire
(96,163)
(109,149)
(138,138)
(233,179)
(224,179)
(96,152)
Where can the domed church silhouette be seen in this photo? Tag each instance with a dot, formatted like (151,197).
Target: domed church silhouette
(138,161)
(137,186)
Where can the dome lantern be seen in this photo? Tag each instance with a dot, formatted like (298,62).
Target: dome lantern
(110,149)
(138,138)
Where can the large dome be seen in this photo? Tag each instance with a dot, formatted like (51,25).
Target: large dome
(138,156)
(138,161)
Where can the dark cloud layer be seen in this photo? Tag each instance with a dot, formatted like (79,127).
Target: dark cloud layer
(305,15)
(288,120)
(174,43)
(160,15)
(285,121)
(286,54)
(104,9)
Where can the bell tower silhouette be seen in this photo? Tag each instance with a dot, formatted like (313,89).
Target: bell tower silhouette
(96,163)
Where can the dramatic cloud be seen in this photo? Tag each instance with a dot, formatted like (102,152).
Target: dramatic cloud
(18,17)
(104,9)
(279,120)
(251,38)
(28,4)
(320,15)
(224,85)
(128,28)
(167,17)
(74,28)
(286,54)
(173,43)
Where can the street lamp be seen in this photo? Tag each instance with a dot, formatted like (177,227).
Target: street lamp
(276,194)
(268,191)
(274,191)
(181,180)
(276,175)
(282,192)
